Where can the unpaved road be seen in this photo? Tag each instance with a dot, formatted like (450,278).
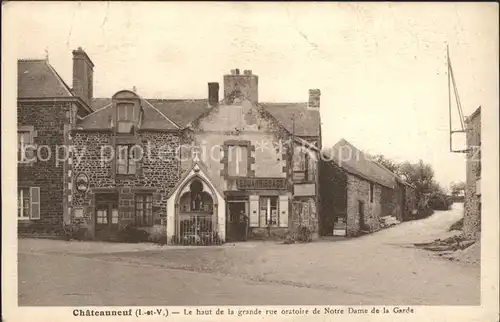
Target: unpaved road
(381,268)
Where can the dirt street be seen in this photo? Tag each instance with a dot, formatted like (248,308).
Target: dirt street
(381,268)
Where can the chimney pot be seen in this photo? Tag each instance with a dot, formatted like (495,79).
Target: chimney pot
(237,71)
(233,71)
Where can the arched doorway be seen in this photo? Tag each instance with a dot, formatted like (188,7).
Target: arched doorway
(196,215)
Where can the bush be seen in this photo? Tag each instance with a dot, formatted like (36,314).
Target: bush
(132,234)
(439,201)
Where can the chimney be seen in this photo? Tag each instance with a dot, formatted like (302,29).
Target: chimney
(83,76)
(241,86)
(314,98)
(213,94)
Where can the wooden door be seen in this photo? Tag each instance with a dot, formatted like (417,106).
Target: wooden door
(106,221)
(235,221)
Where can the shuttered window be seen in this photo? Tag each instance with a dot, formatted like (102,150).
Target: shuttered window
(254,211)
(35,203)
(269,211)
(283,208)
(23,203)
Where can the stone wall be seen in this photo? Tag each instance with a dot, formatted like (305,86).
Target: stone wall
(47,119)
(333,196)
(157,173)
(359,190)
(472,205)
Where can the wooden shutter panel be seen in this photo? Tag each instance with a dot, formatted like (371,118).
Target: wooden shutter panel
(34,203)
(283,209)
(254,211)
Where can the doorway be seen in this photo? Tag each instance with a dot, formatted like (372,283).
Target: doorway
(237,220)
(106,216)
(361,212)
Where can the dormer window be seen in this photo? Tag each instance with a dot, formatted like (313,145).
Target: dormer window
(125,117)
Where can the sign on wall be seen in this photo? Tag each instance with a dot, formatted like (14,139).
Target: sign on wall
(82,182)
(261,183)
(303,190)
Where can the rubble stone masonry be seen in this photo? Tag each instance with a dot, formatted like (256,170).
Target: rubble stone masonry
(472,206)
(157,173)
(47,120)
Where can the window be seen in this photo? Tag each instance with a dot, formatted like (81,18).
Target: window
(144,210)
(23,203)
(28,203)
(23,150)
(304,167)
(269,214)
(371,191)
(125,117)
(126,156)
(237,161)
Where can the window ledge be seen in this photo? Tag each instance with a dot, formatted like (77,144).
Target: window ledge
(26,220)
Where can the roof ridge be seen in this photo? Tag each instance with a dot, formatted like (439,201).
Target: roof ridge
(31,60)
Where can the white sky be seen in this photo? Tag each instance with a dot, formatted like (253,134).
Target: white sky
(381,67)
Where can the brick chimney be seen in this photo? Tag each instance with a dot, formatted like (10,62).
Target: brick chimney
(83,76)
(314,99)
(242,86)
(213,94)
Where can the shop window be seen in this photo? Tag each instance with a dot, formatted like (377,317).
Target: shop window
(269,214)
(144,210)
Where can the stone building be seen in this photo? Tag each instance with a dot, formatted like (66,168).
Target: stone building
(355,192)
(472,204)
(185,168)
(46,110)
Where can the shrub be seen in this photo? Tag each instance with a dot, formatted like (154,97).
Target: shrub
(132,234)
(304,234)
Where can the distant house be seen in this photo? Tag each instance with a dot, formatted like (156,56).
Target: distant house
(472,204)
(355,192)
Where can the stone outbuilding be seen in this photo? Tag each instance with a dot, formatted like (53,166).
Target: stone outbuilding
(356,192)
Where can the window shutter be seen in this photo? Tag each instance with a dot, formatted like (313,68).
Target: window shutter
(283,209)
(35,203)
(254,211)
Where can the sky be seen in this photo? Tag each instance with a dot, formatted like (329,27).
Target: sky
(381,67)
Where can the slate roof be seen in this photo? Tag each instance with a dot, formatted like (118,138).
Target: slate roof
(152,119)
(307,121)
(354,161)
(184,111)
(36,78)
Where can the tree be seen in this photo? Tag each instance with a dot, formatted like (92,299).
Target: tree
(389,164)
(429,194)
(457,188)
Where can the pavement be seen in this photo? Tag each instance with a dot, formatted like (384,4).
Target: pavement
(380,268)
